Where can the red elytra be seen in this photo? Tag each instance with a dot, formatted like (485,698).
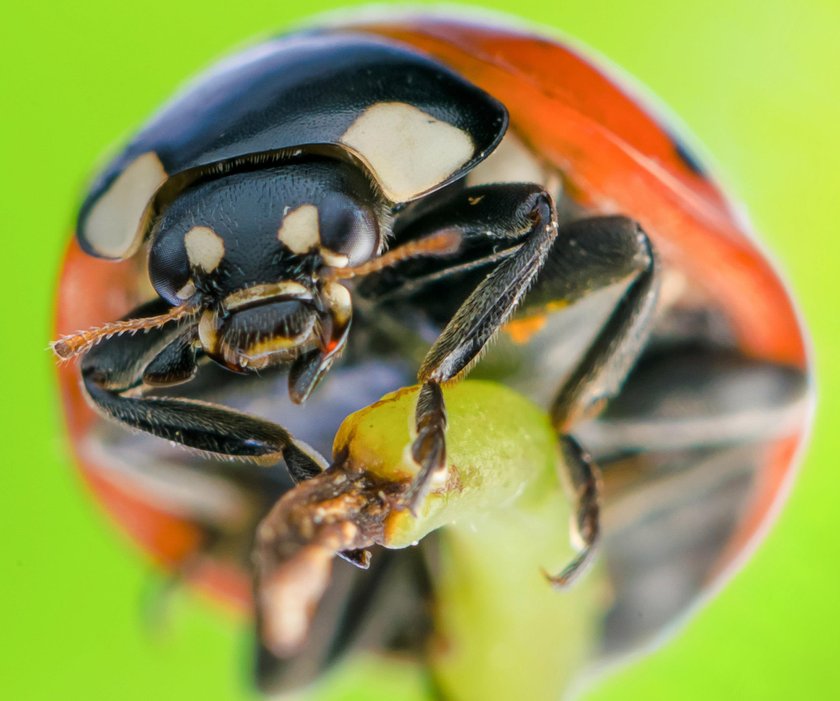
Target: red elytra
(615,157)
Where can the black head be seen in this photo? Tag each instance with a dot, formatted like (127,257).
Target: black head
(248,249)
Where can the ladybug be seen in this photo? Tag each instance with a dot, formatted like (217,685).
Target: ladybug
(343,211)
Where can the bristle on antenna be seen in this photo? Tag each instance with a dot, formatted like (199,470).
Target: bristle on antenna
(70,346)
(439,244)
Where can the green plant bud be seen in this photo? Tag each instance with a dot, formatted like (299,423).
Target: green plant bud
(501,630)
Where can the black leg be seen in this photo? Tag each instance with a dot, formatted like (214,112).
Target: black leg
(561,266)
(492,221)
(596,253)
(584,483)
(565,265)
(474,324)
(429,447)
(590,255)
(118,371)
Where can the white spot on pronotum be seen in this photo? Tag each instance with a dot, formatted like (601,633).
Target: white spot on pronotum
(511,162)
(408,150)
(299,229)
(205,248)
(115,225)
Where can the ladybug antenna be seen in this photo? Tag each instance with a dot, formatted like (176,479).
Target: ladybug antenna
(74,344)
(441,243)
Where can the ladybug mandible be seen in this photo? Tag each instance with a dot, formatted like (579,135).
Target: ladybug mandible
(390,198)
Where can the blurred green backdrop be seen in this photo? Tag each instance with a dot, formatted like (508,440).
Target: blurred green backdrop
(755,80)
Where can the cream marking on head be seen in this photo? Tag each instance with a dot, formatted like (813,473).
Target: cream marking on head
(256,293)
(408,150)
(205,248)
(115,225)
(299,229)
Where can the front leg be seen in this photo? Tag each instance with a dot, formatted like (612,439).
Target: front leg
(119,370)
(580,258)
(474,324)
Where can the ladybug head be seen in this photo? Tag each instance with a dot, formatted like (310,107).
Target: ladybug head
(251,249)
(257,258)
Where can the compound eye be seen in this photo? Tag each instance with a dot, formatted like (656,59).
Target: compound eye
(169,269)
(350,231)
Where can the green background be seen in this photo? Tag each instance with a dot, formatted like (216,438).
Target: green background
(755,80)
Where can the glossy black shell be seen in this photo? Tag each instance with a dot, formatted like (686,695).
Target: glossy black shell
(293,92)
